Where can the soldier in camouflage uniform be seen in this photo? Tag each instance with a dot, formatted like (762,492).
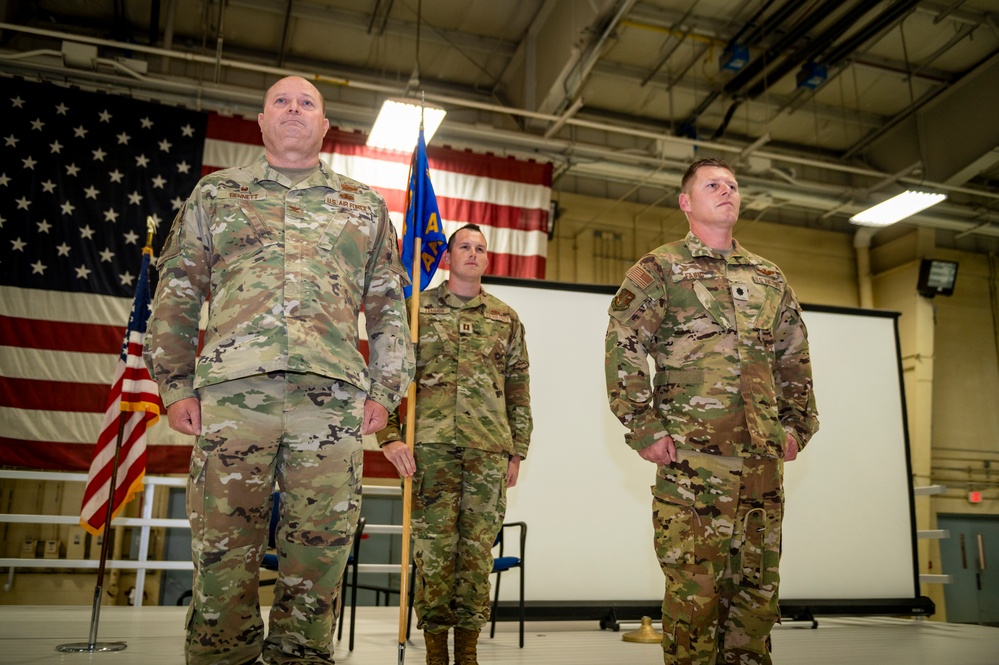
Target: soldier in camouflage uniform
(730,402)
(473,427)
(285,253)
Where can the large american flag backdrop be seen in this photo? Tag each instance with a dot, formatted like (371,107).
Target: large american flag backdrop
(79,174)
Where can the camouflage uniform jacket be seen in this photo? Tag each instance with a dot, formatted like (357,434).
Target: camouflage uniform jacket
(732,368)
(285,271)
(473,388)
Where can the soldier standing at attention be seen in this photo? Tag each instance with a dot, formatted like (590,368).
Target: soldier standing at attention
(286,253)
(730,402)
(473,426)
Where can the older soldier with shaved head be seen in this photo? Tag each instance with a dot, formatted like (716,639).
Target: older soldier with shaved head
(285,253)
(731,400)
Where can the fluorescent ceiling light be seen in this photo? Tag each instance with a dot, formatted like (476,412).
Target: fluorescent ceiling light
(398,125)
(897,208)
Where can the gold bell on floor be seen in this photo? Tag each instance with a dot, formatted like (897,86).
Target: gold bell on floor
(646,634)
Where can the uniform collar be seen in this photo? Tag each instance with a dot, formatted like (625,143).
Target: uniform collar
(698,248)
(451,300)
(324,177)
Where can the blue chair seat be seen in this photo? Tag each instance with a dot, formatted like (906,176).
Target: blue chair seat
(504,563)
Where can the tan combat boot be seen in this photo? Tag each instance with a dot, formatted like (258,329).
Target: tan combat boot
(436,648)
(464,646)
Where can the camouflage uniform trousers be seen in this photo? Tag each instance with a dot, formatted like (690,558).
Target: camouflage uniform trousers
(459,501)
(717,533)
(303,432)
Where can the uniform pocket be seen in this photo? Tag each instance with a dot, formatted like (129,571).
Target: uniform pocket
(672,521)
(238,233)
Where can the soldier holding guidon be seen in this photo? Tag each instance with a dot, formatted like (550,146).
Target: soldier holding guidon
(473,427)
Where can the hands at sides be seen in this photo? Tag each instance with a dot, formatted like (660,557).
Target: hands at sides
(790,448)
(662,451)
(513,470)
(401,457)
(375,417)
(184,416)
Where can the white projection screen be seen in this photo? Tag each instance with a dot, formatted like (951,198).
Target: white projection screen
(848,539)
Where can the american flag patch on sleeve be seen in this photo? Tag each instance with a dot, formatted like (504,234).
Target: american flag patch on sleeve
(640,276)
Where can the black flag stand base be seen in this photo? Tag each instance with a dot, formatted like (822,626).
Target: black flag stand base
(93,646)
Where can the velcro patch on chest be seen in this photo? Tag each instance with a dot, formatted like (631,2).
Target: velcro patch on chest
(339,202)
(243,193)
(772,282)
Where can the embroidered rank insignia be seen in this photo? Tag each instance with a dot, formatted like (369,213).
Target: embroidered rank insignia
(622,299)
(640,276)
(465,328)
(740,291)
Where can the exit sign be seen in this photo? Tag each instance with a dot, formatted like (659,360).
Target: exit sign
(975,496)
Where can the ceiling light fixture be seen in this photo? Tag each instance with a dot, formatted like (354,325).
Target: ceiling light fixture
(398,125)
(897,208)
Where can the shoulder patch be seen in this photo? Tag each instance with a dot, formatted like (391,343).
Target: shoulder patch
(640,276)
(623,298)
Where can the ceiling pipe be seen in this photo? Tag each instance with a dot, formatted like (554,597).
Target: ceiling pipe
(759,64)
(154,21)
(225,95)
(825,40)
(575,80)
(757,23)
(821,42)
(285,32)
(880,23)
(837,166)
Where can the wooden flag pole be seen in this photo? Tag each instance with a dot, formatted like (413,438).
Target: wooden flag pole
(407,484)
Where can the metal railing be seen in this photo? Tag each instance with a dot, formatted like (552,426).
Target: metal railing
(145,523)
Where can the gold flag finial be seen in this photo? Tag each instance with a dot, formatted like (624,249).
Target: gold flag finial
(150,230)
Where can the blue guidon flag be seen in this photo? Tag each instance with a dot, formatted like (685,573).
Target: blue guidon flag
(423,220)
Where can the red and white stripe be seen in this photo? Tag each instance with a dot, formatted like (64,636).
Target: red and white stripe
(509,198)
(134,399)
(60,350)
(60,357)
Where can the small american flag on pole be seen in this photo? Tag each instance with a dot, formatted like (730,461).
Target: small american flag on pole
(133,405)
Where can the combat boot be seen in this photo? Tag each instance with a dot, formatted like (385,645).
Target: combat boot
(465,641)
(436,648)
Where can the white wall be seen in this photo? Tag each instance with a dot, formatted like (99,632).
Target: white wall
(586,496)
